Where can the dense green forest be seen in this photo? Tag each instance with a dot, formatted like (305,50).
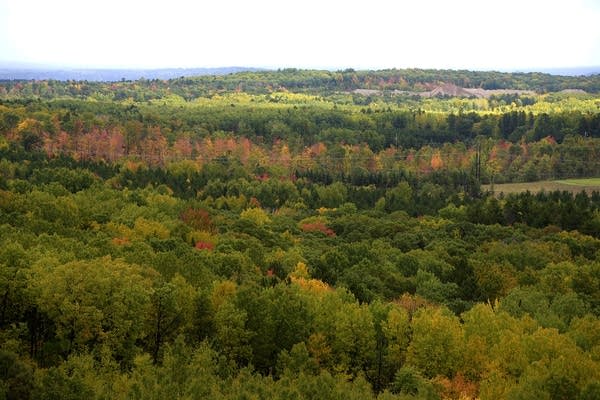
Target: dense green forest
(281,235)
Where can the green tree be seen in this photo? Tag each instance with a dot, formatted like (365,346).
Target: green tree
(171,312)
(13,281)
(437,345)
(399,198)
(100,301)
(354,340)
(16,376)
(396,330)
(279,318)
(333,195)
(185,373)
(231,337)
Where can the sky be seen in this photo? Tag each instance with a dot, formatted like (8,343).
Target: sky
(328,34)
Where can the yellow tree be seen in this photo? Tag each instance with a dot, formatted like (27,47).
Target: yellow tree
(437,345)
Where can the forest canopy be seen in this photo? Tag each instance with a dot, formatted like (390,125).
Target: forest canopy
(280,234)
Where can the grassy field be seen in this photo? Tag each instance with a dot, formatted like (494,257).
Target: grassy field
(591,182)
(571,185)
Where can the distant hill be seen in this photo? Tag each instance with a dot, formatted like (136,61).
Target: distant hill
(110,75)
(574,71)
(194,82)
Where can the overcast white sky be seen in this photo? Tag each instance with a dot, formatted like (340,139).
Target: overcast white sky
(374,34)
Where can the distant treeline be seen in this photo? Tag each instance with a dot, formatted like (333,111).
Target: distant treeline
(315,81)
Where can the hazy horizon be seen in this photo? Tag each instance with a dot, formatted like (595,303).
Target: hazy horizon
(16,65)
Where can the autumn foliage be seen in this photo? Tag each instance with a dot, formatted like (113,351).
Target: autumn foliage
(188,239)
(198,219)
(204,246)
(457,388)
(317,226)
(436,161)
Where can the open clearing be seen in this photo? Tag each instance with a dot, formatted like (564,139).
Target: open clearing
(571,185)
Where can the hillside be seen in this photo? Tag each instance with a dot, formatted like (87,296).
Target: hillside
(273,234)
(261,81)
(451,90)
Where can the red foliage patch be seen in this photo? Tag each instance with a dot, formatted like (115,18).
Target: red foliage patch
(198,219)
(317,227)
(120,241)
(504,145)
(204,246)
(254,202)
(436,161)
(458,387)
